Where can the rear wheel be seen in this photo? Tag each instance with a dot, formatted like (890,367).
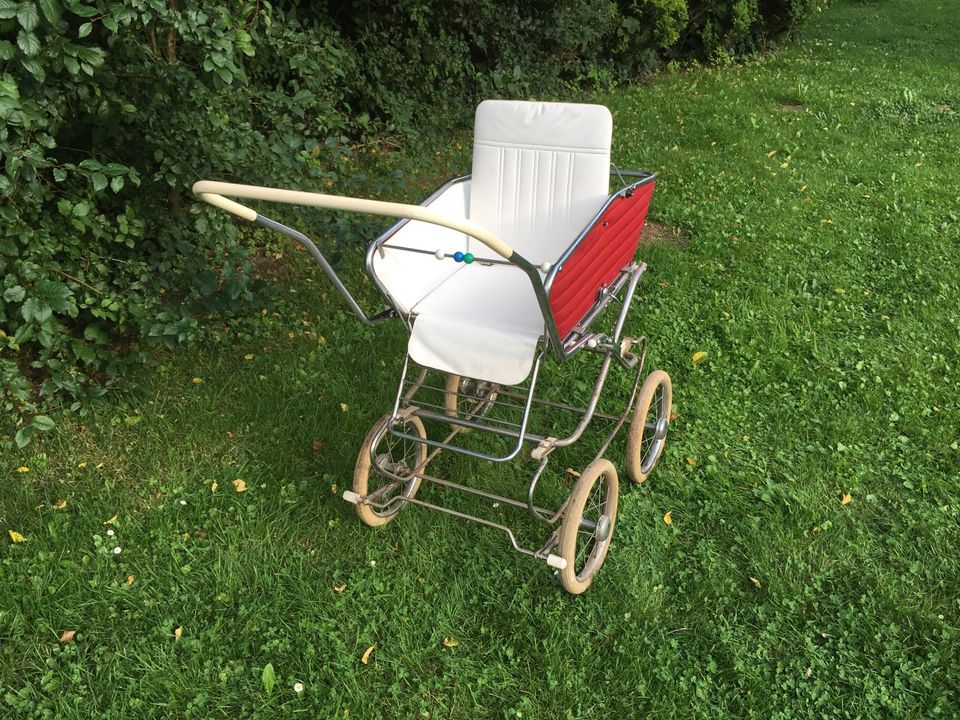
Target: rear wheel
(648,429)
(465,396)
(588,525)
(398,456)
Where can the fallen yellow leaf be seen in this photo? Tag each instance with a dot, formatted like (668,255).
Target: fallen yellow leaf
(111,521)
(344,407)
(197,381)
(214,486)
(845,500)
(60,505)
(755,581)
(699,357)
(23,469)
(239,485)
(771,153)
(248,356)
(67,636)
(131,579)
(668,517)
(177,634)
(691,462)
(366,656)
(450,642)
(81,465)
(16,537)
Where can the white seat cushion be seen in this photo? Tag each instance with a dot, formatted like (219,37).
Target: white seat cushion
(483,322)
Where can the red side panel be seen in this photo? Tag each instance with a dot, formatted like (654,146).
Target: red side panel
(607,247)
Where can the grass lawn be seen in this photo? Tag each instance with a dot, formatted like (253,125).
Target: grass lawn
(811,568)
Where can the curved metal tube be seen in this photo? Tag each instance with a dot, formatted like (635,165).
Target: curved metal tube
(212,192)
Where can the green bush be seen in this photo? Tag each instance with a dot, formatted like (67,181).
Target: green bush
(784,16)
(111,110)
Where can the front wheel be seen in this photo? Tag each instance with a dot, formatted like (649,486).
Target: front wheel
(588,525)
(401,457)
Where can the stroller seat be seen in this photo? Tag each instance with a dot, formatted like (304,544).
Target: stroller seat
(481,323)
(540,173)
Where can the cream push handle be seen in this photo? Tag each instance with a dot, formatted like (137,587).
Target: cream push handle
(213,192)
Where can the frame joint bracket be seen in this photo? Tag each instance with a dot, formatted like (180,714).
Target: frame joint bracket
(545,447)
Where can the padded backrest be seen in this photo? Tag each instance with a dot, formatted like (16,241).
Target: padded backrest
(541,171)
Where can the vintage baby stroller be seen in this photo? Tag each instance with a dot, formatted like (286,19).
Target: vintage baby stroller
(496,275)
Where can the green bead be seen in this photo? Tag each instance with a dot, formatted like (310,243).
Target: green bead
(468,258)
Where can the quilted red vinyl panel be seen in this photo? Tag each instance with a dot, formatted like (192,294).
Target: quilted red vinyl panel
(607,247)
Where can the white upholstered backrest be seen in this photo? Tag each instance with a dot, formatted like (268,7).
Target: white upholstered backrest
(540,173)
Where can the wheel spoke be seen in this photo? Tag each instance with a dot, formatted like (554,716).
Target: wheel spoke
(587,543)
(654,413)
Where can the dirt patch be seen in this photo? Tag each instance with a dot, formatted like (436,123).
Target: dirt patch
(792,107)
(269,266)
(655,233)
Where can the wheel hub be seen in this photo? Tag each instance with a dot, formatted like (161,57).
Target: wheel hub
(602,531)
(660,432)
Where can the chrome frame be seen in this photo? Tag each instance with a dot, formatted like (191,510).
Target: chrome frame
(608,346)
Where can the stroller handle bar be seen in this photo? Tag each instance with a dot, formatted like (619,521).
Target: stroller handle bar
(214,193)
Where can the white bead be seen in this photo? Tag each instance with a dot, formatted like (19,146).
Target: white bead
(545,267)
(439,254)
(592,343)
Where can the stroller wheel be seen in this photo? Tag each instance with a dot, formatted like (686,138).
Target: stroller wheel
(464,397)
(648,429)
(397,456)
(588,525)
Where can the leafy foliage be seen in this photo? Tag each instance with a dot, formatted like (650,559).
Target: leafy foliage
(111,111)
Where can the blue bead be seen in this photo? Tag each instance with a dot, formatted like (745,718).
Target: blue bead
(458,256)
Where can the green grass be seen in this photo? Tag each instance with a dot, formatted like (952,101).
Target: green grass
(818,187)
